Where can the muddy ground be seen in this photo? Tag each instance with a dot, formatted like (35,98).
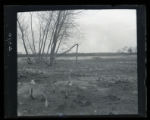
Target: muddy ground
(98,86)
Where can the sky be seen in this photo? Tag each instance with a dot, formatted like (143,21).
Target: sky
(104,30)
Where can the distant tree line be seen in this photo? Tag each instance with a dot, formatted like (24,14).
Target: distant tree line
(127,49)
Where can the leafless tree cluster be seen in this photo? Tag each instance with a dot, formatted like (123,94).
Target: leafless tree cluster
(128,50)
(43,33)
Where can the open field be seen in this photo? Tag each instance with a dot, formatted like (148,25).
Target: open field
(101,85)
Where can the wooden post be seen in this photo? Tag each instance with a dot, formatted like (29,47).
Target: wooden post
(77,53)
(31,93)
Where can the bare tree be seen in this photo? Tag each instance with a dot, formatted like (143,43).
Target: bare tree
(129,50)
(23,30)
(47,29)
(54,27)
(64,22)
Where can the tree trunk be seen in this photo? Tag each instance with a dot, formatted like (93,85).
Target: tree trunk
(52,55)
(23,39)
(32,35)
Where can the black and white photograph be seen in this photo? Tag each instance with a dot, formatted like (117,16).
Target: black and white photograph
(77,62)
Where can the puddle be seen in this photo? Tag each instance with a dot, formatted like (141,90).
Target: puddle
(103,91)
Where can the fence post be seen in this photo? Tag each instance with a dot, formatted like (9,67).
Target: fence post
(76,53)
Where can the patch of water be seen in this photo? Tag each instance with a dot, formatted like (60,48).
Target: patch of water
(103,91)
(90,57)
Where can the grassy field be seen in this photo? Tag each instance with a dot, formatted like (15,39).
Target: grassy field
(101,85)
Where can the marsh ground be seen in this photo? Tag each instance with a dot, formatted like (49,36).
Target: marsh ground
(101,85)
